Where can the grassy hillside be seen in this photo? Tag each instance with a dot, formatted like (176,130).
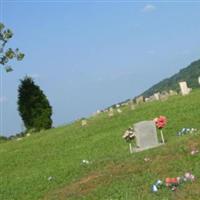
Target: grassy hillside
(112,173)
(189,74)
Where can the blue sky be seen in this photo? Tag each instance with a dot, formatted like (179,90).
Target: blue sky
(87,55)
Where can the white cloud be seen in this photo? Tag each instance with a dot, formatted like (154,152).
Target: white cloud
(149,8)
(3,99)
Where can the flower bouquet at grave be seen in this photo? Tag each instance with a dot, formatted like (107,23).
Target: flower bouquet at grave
(129,136)
(160,124)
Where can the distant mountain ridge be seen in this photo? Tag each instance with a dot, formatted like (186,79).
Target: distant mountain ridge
(189,74)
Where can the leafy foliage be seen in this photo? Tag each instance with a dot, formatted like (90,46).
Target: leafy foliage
(189,74)
(33,106)
(9,54)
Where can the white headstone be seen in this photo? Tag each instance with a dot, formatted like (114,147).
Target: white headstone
(139,100)
(184,88)
(119,110)
(172,93)
(147,99)
(84,122)
(157,96)
(110,112)
(131,104)
(146,135)
(199,80)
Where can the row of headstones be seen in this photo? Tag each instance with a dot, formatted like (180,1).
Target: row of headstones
(111,111)
(156,96)
(184,90)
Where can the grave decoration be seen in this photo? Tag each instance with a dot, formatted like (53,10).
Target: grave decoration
(193,152)
(160,124)
(173,183)
(142,136)
(129,136)
(185,131)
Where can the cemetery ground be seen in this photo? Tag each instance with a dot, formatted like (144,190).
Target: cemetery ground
(49,165)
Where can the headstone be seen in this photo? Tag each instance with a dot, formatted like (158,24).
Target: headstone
(139,100)
(157,96)
(98,112)
(184,88)
(146,99)
(119,110)
(124,104)
(164,95)
(151,98)
(172,93)
(84,122)
(131,105)
(111,112)
(146,135)
(199,80)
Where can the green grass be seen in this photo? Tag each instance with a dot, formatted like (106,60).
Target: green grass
(113,173)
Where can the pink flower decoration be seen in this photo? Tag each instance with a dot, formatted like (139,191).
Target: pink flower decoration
(160,122)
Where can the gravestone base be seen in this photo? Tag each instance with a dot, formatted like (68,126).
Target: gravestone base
(138,149)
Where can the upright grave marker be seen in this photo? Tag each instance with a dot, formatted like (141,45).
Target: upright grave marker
(146,135)
(84,122)
(157,96)
(131,105)
(184,88)
(111,112)
(139,100)
(119,110)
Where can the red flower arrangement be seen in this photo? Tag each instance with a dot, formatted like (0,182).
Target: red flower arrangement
(160,122)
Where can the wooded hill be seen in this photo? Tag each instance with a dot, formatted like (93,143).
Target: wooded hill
(189,74)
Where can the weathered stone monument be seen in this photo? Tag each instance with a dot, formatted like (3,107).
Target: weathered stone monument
(131,104)
(152,98)
(98,112)
(164,95)
(119,110)
(83,122)
(157,96)
(147,99)
(146,135)
(111,112)
(172,93)
(184,88)
(139,100)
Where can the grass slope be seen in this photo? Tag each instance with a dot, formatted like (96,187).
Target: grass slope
(113,173)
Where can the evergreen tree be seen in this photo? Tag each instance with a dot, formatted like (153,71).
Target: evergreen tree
(33,106)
